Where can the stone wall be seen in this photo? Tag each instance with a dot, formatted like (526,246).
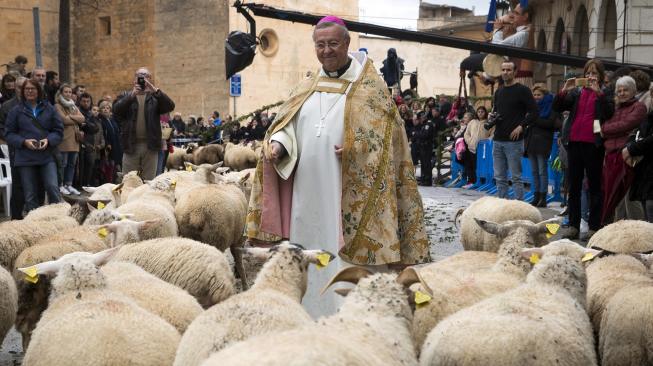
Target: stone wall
(17,32)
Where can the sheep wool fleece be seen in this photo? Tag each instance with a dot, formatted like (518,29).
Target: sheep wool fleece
(379,215)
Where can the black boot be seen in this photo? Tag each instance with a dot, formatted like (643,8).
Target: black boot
(542,201)
(536,199)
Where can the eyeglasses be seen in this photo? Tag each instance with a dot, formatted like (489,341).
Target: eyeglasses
(323,45)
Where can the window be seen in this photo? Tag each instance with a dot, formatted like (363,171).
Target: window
(105,26)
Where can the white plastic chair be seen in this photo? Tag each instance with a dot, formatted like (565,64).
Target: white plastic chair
(5,183)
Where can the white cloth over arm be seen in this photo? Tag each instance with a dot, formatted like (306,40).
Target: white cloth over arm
(519,39)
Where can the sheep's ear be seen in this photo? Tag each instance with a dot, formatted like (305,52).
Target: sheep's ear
(349,274)
(91,208)
(490,227)
(142,225)
(244,178)
(90,190)
(260,254)
(222,170)
(214,167)
(321,258)
(409,276)
(456,218)
(532,254)
(44,268)
(118,188)
(101,258)
(590,253)
(548,226)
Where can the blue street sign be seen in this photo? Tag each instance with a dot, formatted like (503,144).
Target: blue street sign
(235,88)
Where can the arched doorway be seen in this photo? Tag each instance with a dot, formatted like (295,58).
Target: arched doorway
(607,30)
(581,35)
(539,70)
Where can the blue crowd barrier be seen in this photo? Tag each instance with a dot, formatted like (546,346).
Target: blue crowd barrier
(179,141)
(485,172)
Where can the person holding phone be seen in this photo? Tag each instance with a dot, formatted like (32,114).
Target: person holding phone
(140,128)
(588,107)
(35,129)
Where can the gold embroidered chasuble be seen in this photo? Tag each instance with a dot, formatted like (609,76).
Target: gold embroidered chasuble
(381,209)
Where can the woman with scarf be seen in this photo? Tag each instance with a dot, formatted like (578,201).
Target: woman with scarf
(73,119)
(538,142)
(34,129)
(617,174)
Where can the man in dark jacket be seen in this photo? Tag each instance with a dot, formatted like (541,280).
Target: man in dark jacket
(424,137)
(140,130)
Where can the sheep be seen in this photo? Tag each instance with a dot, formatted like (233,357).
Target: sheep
(237,177)
(130,181)
(170,302)
(215,214)
(49,212)
(468,277)
(371,328)
(15,236)
(8,302)
(498,210)
(157,203)
(198,268)
(176,159)
(32,297)
(209,154)
(541,322)
(88,324)
(626,236)
(239,157)
(102,192)
(271,305)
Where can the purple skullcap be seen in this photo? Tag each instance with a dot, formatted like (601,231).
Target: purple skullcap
(332,19)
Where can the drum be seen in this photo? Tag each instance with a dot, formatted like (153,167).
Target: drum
(492,65)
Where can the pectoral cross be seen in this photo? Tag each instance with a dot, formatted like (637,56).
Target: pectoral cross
(320,126)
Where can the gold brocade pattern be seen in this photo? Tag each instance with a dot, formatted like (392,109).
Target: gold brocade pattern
(382,214)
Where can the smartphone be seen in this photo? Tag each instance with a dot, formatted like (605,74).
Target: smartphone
(582,82)
(141,82)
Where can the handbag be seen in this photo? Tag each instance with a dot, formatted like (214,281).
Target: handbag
(79,135)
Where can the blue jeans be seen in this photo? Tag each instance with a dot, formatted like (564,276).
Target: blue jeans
(539,167)
(507,155)
(159,165)
(68,161)
(32,177)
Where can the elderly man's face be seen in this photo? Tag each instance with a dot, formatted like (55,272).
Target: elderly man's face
(331,47)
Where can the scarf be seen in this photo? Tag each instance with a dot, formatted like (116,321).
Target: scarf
(67,104)
(544,105)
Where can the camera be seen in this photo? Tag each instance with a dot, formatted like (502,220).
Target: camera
(492,119)
(141,82)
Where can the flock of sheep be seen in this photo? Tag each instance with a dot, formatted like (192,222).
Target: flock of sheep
(137,275)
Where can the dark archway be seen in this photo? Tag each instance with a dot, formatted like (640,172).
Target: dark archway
(607,30)
(581,35)
(539,71)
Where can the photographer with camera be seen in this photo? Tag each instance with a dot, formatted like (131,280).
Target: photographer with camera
(514,110)
(140,129)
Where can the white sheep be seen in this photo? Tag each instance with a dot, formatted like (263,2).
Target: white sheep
(371,328)
(168,301)
(542,322)
(88,324)
(215,214)
(33,297)
(101,193)
(273,304)
(200,269)
(498,210)
(209,154)
(468,277)
(8,302)
(130,181)
(625,236)
(49,212)
(238,157)
(17,235)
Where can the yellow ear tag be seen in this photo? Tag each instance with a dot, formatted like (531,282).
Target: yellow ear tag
(189,168)
(323,260)
(587,257)
(173,184)
(103,232)
(421,298)
(100,205)
(122,217)
(553,228)
(31,274)
(534,258)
